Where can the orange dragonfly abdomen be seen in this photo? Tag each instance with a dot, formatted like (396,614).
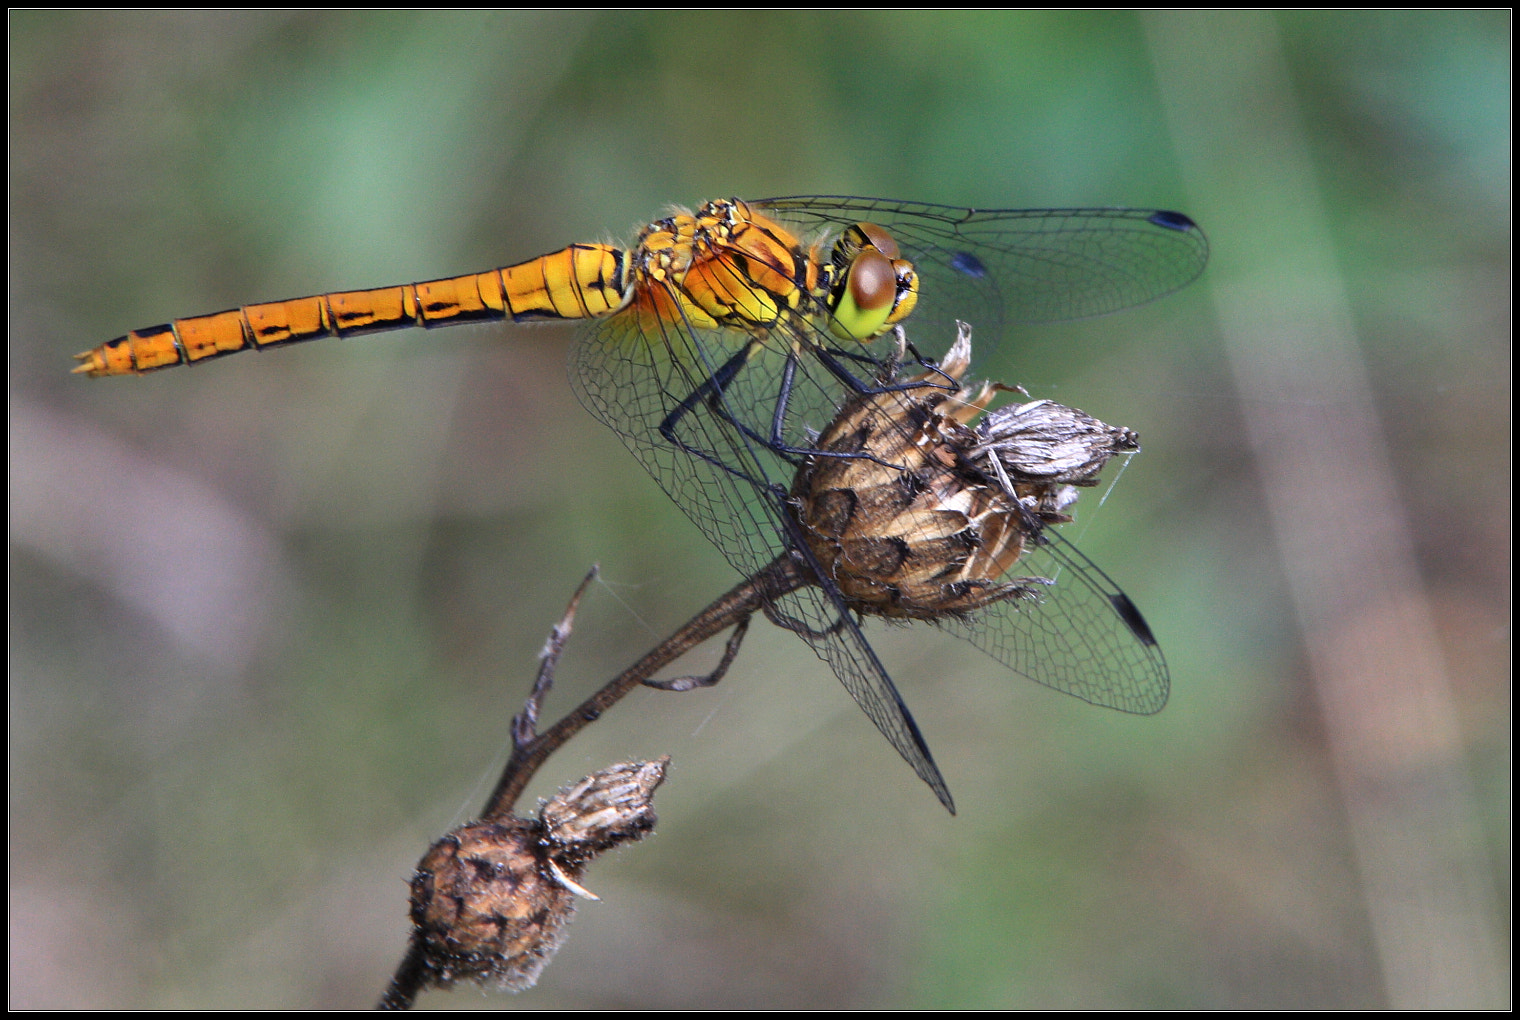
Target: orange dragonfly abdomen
(579,282)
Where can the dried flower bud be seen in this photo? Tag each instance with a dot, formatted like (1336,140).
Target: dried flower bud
(487,907)
(1039,450)
(491,900)
(610,807)
(923,513)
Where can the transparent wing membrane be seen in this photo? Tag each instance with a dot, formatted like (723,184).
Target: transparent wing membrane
(1022,265)
(1074,631)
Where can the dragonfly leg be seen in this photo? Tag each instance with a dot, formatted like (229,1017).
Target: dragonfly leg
(689,683)
(711,392)
(833,360)
(776,441)
(800,627)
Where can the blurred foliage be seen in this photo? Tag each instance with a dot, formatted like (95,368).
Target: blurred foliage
(269,619)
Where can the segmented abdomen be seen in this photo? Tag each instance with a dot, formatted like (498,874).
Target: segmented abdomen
(578,282)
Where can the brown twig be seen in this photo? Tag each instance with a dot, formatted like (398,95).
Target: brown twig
(732,609)
(531,749)
(410,976)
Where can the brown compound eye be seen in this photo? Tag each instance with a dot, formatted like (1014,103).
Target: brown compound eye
(866,300)
(862,237)
(880,239)
(873,281)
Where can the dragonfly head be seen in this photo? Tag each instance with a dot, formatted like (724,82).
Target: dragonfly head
(873,287)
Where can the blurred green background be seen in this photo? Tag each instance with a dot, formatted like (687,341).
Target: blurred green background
(269,618)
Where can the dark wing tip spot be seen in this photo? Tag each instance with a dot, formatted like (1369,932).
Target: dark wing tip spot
(965,262)
(1172,221)
(1132,618)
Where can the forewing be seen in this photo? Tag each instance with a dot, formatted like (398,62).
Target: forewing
(1078,633)
(990,267)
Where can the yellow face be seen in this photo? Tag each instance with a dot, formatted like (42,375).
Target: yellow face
(874,287)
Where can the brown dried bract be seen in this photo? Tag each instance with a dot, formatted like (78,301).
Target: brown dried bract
(926,513)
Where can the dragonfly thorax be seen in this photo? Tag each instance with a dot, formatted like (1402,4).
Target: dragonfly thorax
(726,266)
(723,267)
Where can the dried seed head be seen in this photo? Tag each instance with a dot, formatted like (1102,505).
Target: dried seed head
(486,907)
(491,901)
(918,514)
(613,806)
(1039,450)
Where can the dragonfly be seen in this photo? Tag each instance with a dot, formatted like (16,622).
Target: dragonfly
(720,344)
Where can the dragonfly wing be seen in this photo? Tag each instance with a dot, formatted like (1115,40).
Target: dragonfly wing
(634,378)
(1079,633)
(993,266)
(636,374)
(1074,630)
(817,616)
